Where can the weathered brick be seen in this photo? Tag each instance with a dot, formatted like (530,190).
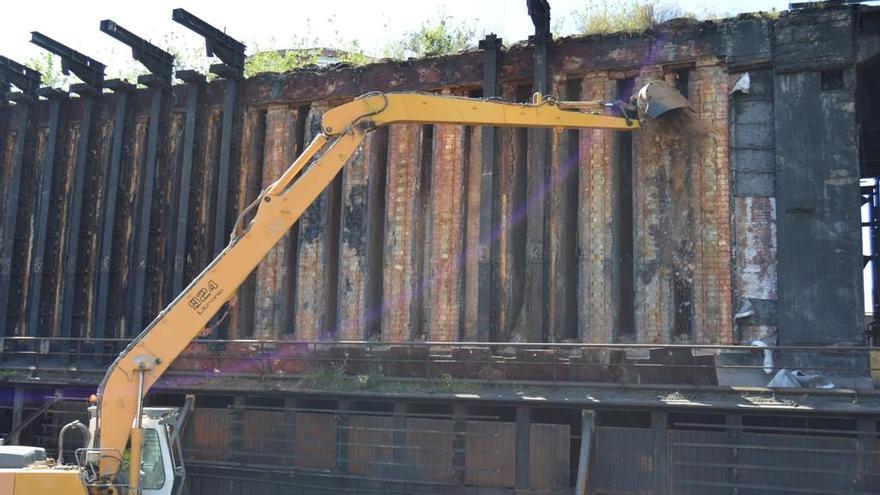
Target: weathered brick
(401,288)
(444,260)
(594,222)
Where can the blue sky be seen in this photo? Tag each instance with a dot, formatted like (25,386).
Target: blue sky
(265,24)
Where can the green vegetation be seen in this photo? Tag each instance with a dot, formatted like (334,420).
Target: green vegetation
(279,61)
(438,37)
(624,16)
(50,67)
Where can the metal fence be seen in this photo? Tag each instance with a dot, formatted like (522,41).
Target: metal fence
(396,448)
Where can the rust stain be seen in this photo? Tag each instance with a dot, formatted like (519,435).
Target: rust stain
(399,282)
(273,299)
(313,247)
(444,262)
(594,221)
(352,310)
(472,236)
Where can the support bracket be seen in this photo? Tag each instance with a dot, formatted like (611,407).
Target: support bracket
(23,78)
(159,62)
(217,43)
(87,69)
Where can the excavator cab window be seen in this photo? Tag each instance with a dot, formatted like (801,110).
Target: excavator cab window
(152,464)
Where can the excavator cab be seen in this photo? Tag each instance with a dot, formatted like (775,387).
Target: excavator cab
(162,470)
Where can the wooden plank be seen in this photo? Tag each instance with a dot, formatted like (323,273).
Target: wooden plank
(315,441)
(490,458)
(263,437)
(210,434)
(371,447)
(429,450)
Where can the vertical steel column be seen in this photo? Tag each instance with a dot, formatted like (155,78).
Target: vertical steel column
(398,422)
(194,82)
(290,432)
(75,201)
(230,86)
(144,216)
(44,199)
(486,305)
(10,210)
(111,195)
(342,435)
(734,436)
(17,413)
(867,427)
(523,439)
(587,421)
(459,443)
(536,182)
(660,452)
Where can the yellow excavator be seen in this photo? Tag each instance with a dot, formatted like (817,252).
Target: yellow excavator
(136,450)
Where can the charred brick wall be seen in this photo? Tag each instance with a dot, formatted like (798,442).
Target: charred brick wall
(661,236)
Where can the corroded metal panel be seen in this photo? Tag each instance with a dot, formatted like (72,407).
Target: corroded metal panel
(445,255)
(431,232)
(273,301)
(595,190)
(316,254)
(475,327)
(623,463)
(401,288)
(250,183)
(352,310)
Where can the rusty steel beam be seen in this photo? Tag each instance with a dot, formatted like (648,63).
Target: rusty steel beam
(523,436)
(10,210)
(159,62)
(491,46)
(74,208)
(16,74)
(44,199)
(87,69)
(194,83)
(144,216)
(123,91)
(228,134)
(536,201)
(229,125)
(217,43)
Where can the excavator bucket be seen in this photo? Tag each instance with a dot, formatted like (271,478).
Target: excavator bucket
(657,98)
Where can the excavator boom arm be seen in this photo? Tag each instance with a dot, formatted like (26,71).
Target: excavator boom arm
(278,208)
